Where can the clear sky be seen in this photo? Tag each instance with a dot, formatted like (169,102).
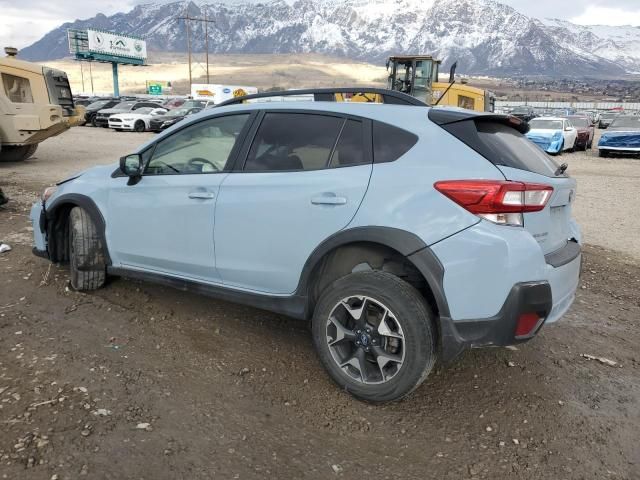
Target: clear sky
(22,22)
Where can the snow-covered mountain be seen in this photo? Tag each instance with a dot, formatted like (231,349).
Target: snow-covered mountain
(618,44)
(483,36)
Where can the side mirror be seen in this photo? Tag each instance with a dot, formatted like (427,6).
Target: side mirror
(131,166)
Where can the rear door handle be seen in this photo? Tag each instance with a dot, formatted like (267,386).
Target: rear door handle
(202,195)
(328,199)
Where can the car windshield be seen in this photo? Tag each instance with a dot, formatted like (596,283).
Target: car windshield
(98,104)
(178,112)
(542,124)
(520,110)
(194,104)
(630,122)
(124,105)
(609,115)
(580,122)
(144,110)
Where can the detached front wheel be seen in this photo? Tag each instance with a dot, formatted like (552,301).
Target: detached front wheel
(86,254)
(374,335)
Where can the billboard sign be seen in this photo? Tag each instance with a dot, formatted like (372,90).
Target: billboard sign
(116,45)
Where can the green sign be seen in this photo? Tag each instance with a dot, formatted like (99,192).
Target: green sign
(158,87)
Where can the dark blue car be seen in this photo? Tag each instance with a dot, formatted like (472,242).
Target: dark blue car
(622,136)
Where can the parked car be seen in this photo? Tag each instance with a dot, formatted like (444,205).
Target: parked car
(622,136)
(172,103)
(404,234)
(553,134)
(585,130)
(93,108)
(137,120)
(524,113)
(198,104)
(102,116)
(606,118)
(162,122)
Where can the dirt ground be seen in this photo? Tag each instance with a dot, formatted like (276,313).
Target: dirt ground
(137,381)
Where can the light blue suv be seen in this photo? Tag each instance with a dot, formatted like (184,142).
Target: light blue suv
(405,234)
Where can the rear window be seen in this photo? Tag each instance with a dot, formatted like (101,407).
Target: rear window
(505,146)
(390,143)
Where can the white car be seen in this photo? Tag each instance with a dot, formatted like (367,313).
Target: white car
(553,134)
(137,120)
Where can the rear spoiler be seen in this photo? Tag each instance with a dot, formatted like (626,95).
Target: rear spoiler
(445,116)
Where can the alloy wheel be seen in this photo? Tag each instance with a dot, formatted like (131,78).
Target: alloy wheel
(365,339)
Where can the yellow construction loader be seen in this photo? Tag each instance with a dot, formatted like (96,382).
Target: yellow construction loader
(417,75)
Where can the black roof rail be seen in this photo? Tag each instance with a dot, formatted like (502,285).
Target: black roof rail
(328,95)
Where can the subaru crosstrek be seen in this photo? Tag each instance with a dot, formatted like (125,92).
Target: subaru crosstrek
(404,233)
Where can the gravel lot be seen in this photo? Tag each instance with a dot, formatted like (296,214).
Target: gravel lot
(140,381)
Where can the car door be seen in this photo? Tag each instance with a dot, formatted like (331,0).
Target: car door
(165,222)
(303,178)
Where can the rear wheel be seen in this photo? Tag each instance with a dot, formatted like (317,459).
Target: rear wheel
(374,335)
(86,254)
(139,126)
(17,154)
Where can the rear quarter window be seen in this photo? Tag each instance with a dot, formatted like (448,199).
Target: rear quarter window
(390,143)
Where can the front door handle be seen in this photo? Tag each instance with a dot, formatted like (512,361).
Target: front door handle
(202,195)
(328,199)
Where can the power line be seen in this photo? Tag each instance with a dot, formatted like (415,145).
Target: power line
(206,22)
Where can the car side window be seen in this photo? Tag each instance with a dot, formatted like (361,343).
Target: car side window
(349,149)
(390,143)
(204,147)
(293,142)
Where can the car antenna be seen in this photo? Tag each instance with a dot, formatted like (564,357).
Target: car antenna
(561,169)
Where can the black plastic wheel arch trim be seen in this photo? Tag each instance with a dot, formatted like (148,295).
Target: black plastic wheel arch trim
(77,200)
(407,244)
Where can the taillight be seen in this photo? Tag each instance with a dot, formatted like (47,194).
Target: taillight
(498,201)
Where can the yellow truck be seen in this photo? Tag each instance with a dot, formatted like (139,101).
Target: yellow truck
(35,104)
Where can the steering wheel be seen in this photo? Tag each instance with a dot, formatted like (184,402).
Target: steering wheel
(202,161)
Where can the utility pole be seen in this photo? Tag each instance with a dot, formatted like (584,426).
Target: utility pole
(206,22)
(82,76)
(206,42)
(91,75)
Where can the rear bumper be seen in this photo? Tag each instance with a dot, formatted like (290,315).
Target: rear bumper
(500,329)
(494,274)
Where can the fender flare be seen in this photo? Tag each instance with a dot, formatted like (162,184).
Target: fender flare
(51,211)
(412,247)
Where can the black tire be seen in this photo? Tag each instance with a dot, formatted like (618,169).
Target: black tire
(603,153)
(17,154)
(94,122)
(139,126)
(406,307)
(86,254)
